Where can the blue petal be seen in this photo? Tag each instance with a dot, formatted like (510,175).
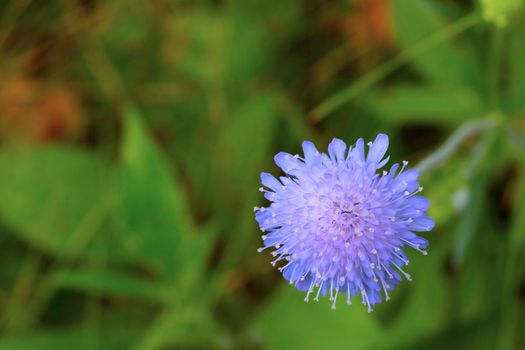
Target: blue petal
(336,149)
(272,239)
(421,242)
(383,163)
(393,170)
(358,152)
(422,224)
(270,182)
(304,285)
(310,151)
(293,271)
(261,216)
(410,177)
(417,203)
(286,161)
(374,297)
(377,149)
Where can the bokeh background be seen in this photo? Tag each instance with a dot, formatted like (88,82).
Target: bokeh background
(132,138)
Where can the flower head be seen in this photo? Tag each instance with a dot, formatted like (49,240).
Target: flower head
(339,226)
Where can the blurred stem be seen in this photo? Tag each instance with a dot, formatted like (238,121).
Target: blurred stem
(477,173)
(28,299)
(93,307)
(352,91)
(494,68)
(512,271)
(184,325)
(517,139)
(14,316)
(465,131)
(333,62)
(72,249)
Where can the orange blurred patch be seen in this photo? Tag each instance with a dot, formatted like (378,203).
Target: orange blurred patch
(369,25)
(30,111)
(368,29)
(367,33)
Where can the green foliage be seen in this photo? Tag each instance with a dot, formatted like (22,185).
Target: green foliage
(288,309)
(499,11)
(423,104)
(65,193)
(133,135)
(449,62)
(151,202)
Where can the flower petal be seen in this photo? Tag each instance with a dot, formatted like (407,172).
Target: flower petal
(287,162)
(377,149)
(336,149)
(310,151)
(358,152)
(271,182)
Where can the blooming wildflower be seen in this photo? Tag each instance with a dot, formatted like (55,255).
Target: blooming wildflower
(340,226)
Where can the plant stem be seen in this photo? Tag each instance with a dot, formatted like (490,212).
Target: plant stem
(512,271)
(494,69)
(454,141)
(382,71)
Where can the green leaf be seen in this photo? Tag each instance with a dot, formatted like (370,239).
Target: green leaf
(247,137)
(67,340)
(424,104)
(445,63)
(153,205)
(423,310)
(107,283)
(239,150)
(56,199)
(287,319)
(184,327)
(242,150)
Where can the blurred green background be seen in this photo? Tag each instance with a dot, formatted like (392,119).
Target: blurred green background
(132,138)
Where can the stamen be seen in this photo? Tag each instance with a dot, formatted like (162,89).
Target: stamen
(407,276)
(310,290)
(263,248)
(405,163)
(414,246)
(365,296)
(405,261)
(388,273)
(319,291)
(385,289)
(335,297)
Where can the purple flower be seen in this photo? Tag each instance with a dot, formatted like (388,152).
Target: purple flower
(337,225)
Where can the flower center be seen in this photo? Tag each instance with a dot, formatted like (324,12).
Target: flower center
(350,219)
